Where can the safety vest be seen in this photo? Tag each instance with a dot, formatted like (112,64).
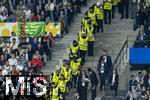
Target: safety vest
(90,34)
(115,2)
(55,93)
(85,23)
(55,78)
(83,43)
(63,69)
(92,16)
(67,75)
(62,85)
(74,67)
(80,33)
(107,6)
(98,12)
(74,49)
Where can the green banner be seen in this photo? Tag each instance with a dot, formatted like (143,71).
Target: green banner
(34,29)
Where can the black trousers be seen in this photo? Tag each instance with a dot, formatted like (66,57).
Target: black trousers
(119,7)
(102,80)
(90,48)
(124,10)
(74,81)
(82,55)
(100,25)
(107,16)
(113,11)
(115,88)
(94,92)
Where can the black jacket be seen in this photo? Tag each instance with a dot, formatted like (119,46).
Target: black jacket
(93,78)
(116,79)
(109,61)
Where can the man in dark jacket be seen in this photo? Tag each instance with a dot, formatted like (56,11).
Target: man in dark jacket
(94,82)
(103,73)
(107,59)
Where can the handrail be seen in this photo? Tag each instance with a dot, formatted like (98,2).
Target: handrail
(119,54)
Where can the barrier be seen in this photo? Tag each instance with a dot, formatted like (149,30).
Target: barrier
(32,28)
(139,56)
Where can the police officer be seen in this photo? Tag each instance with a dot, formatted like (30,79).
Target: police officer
(91,39)
(99,16)
(62,87)
(124,8)
(74,49)
(74,66)
(83,42)
(114,5)
(107,11)
(63,67)
(92,17)
(55,93)
(82,31)
(55,76)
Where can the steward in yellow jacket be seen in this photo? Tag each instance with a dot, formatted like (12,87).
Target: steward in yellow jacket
(74,49)
(74,66)
(107,11)
(83,43)
(98,11)
(55,76)
(114,5)
(91,39)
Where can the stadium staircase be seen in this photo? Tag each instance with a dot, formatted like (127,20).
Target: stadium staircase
(112,39)
(61,47)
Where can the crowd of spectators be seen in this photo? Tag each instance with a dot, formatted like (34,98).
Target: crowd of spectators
(40,10)
(142,20)
(26,55)
(139,86)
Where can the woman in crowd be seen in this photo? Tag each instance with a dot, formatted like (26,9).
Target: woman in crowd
(82,85)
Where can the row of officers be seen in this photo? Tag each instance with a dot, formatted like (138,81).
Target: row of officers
(93,23)
(72,76)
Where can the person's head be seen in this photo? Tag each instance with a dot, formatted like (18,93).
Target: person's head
(13,67)
(14,40)
(144,72)
(141,32)
(62,77)
(13,33)
(64,62)
(83,72)
(89,70)
(104,52)
(91,9)
(39,45)
(7,63)
(2,57)
(84,36)
(98,4)
(139,74)
(37,52)
(57,72)
(25,69)
(132,77)
(114,71)
(75,43)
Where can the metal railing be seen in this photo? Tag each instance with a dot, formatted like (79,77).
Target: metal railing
(122,55)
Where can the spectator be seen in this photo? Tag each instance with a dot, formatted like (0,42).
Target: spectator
(82,85)
(36,62)
(94,82)
(107,59)
(132,82)
(13,61)
(114,81)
